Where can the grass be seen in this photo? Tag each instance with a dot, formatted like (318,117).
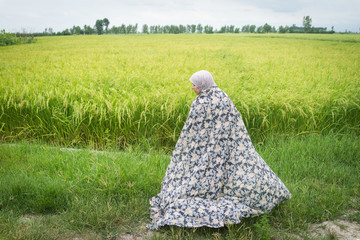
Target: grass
(355,217)
(120,91)
(51,193)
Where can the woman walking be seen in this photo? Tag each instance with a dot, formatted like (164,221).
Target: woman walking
(215,175)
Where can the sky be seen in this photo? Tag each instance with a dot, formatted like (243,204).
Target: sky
(36,15)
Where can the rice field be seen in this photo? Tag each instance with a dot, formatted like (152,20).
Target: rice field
(123,90)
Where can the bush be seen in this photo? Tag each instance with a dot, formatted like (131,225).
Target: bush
(7,38)
(10,38)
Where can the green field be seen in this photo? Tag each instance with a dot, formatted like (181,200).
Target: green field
(126,90)
(53,193)
(129,95)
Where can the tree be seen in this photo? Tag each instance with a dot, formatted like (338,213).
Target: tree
(48,31)
(106,23)
(332,30)
(88,30)
(129,28)
(231,28)
(222,29)
(174,29)
(287,28)
(188,28)
(245,28)
(134,28)
(65,32)
(307,24)
(122,29)
(282,29)
(292,29)
(252,28)
(199,28)
(266,28)
(208,29)
(99,25)
(115,30)
(193,28)
(76,30)
(145,28)
(182,28)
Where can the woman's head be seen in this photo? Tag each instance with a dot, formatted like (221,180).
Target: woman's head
(196,89)
(202,80)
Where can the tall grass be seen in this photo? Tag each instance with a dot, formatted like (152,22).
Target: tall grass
(52,193)
(126,90)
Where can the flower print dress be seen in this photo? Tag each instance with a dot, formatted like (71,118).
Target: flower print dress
(215,176)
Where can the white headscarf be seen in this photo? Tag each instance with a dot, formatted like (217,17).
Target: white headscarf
(202,79)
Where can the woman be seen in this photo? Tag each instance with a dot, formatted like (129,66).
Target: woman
(215,176)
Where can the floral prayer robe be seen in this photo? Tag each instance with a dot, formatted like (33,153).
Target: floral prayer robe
(215,175)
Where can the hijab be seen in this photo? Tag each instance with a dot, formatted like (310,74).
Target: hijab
(202,80)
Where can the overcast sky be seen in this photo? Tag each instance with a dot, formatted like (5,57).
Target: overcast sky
(36,15)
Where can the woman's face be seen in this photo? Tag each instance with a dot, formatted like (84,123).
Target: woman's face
(195,88)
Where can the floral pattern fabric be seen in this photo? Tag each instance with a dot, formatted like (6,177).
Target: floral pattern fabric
(215,176)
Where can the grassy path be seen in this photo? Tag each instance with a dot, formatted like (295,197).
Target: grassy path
(53,193)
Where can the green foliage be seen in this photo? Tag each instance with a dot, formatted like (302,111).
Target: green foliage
(252,28)
(282,29)
(10,39)
(267,28)
(106,23)
(307,24)
(208,29)
(99,25)
(199,28)
(355,216)
(245,29)
(49,192)
(31,195)
(179,29)
(193,28)
(260,29)
(145,29)
(262,228)
(227,29)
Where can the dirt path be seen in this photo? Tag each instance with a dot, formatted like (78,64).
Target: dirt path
(337,229)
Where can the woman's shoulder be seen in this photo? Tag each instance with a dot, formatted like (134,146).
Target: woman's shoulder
(211,95)
(219,93)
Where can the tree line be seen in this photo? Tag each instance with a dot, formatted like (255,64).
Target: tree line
(101,26)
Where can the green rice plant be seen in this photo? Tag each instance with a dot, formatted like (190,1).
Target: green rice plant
(108,91)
